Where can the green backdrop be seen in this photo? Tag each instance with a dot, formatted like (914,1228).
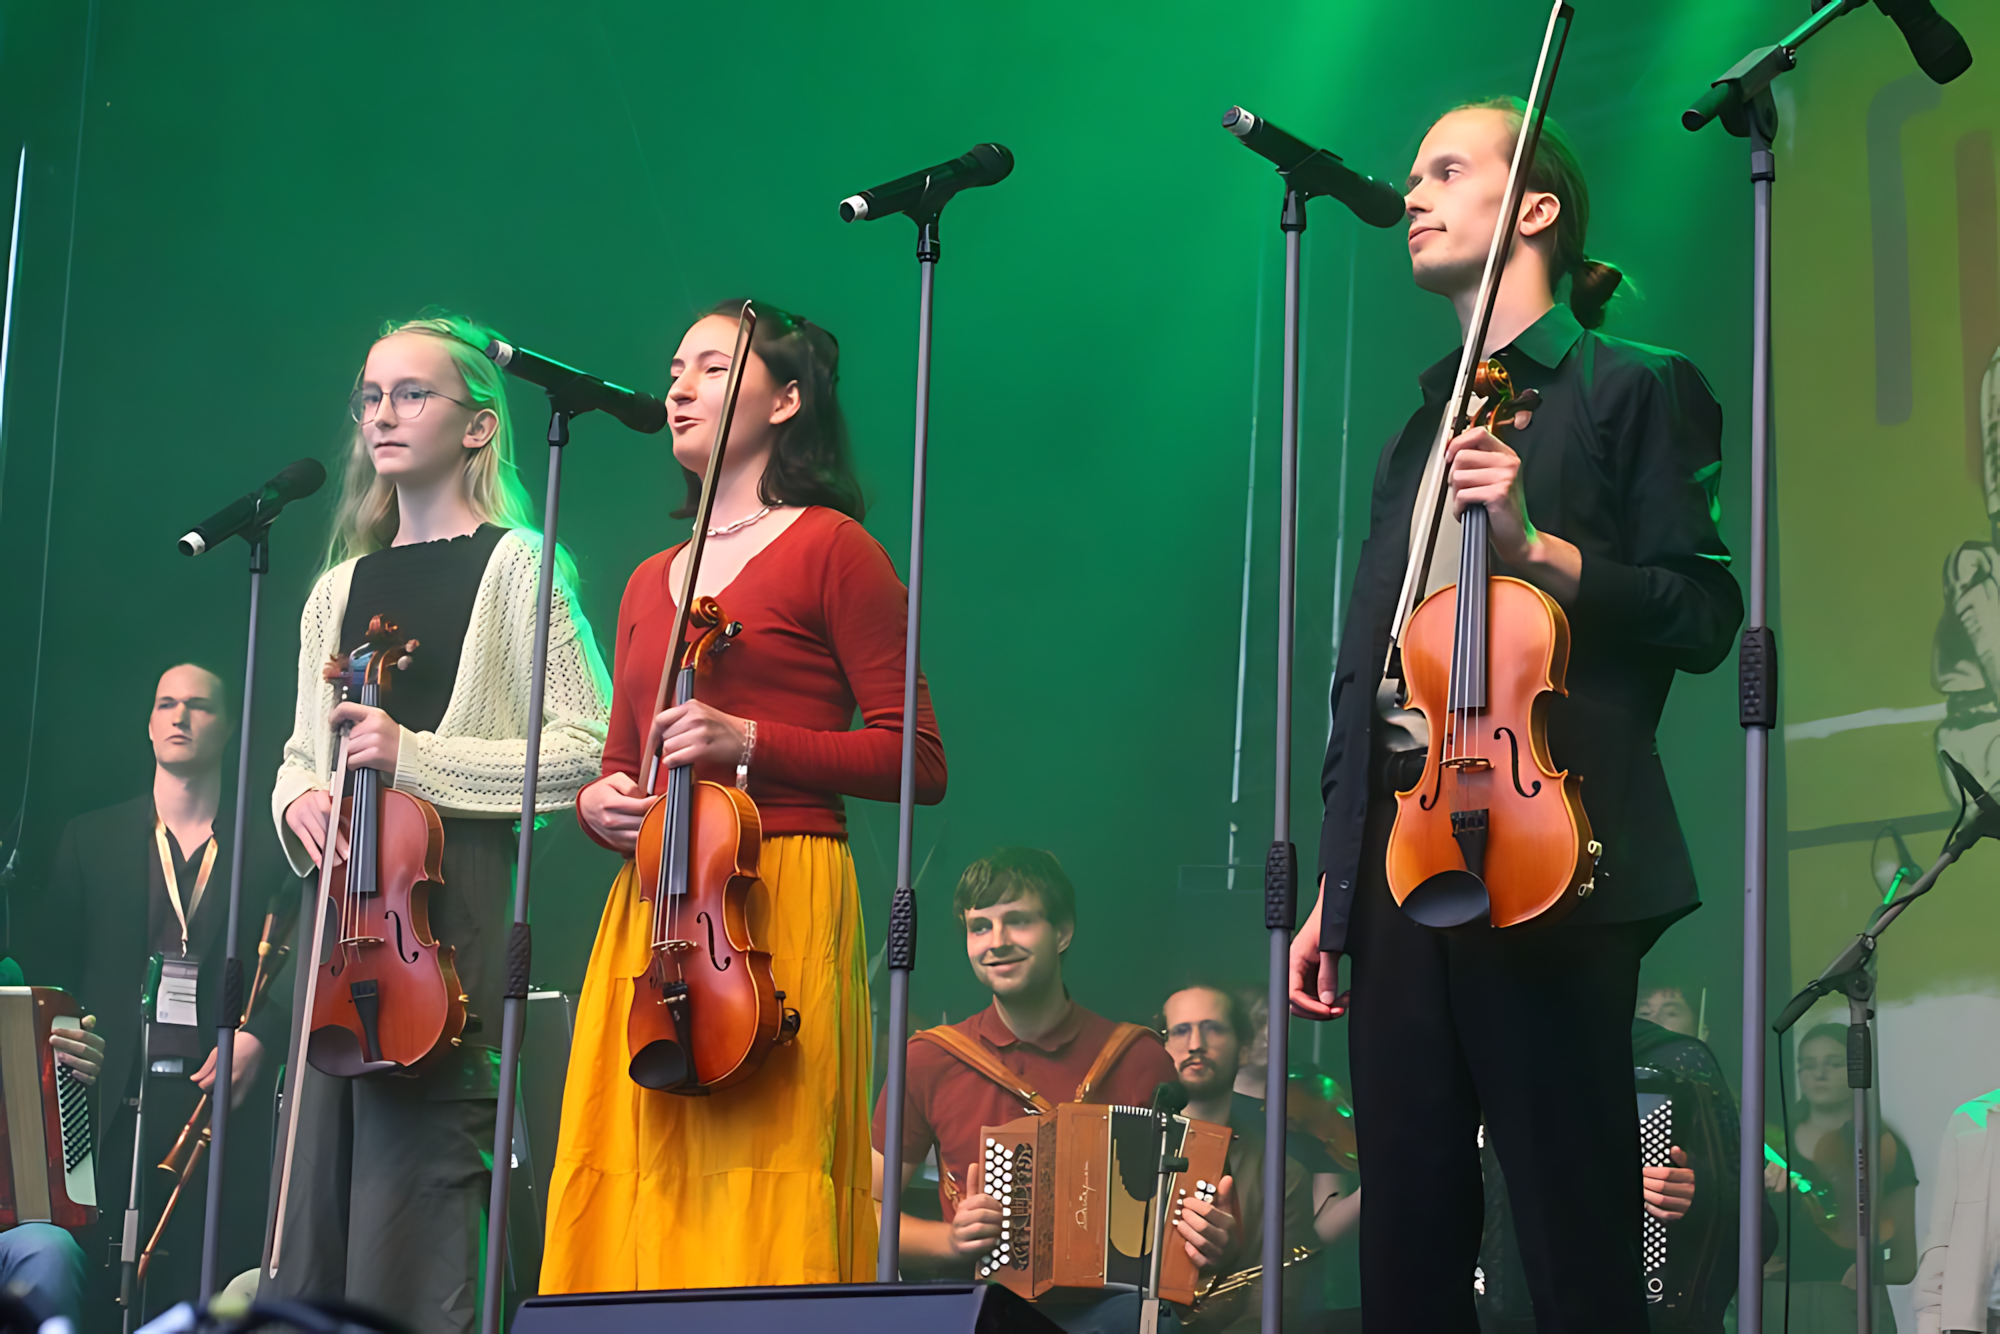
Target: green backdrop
(220,215)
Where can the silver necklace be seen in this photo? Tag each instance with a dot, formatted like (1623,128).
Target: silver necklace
(741,524)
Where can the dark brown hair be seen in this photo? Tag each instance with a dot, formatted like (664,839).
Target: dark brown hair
(810,460)
(1556,171)
(1007,873)
(1240,1022)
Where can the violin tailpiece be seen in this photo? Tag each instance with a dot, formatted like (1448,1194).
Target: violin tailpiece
(1469,829)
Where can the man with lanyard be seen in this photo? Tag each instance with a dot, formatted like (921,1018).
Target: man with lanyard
(1604,499)
(1032,1047)
(135,909)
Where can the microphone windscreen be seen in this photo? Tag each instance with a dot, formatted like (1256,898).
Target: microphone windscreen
(1940,51)
(996,162)
(1170,1097)
(300,479)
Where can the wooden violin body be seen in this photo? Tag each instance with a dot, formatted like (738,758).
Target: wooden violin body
(732,1002)
(705,1010)
(1491,830)
(1492,827)
(387,996)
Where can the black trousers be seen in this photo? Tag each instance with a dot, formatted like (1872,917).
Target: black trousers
(1529,1032)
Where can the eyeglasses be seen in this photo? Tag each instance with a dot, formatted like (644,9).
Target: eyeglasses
(365,404)
(1212,1030)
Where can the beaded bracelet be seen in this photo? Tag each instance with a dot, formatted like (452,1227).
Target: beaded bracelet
(749,749)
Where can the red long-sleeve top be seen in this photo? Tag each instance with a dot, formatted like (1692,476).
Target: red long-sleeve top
(824,618)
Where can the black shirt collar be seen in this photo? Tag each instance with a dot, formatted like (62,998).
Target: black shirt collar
(1545,342)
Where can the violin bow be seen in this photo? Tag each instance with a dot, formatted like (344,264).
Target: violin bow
(303,1023)
(1432,498)
(746,324)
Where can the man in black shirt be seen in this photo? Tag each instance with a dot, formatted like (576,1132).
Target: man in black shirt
(1604,499)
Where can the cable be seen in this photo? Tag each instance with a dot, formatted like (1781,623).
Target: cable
(1791,1151)
(55,435)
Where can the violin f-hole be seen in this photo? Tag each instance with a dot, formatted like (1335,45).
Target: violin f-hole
(1514,749)
(397,918)
(720,965)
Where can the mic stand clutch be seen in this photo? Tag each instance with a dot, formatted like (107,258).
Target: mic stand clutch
(1850,974)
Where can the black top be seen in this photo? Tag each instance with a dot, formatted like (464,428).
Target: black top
(1623,459)
(427,590)
(1815,1255)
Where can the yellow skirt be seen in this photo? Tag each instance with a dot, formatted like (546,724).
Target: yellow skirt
(763,1183)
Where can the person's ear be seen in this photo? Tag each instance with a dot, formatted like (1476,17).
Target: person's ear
(480,430)
(786,404)
(1539,211)
(1064,934)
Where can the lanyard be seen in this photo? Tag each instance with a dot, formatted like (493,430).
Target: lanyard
(173,883)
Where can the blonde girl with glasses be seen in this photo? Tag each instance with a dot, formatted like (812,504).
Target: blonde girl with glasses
(433,531)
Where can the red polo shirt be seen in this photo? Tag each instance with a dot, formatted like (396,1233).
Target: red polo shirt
(946,1101)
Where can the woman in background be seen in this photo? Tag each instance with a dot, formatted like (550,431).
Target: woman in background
(1822,1150)
(765,1182)
(433,531)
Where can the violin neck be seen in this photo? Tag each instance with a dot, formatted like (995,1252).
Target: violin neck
(680,807)
(1468,654)
(366,794)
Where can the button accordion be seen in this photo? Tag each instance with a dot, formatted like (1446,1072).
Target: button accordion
(1077,1192)
(47,1171)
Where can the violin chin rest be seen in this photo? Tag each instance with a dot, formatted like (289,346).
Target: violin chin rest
(1448,899)
(334,1050)
(660,1064)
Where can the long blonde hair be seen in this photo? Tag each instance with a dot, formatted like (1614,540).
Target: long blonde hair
(365,517)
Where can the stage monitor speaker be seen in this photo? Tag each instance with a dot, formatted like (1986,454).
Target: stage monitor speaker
(834,1308)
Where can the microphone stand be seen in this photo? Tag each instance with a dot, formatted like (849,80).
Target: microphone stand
(1850,974)
(514,1013)
(1742,99)
(901,950)
(229,1018)
(1152,1311)
(128,1246)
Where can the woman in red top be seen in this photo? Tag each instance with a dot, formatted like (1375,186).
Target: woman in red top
(766,1182)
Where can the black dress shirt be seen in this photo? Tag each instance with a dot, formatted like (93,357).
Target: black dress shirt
(1623,459)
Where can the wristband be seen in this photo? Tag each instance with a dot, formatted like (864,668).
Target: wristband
(749,749)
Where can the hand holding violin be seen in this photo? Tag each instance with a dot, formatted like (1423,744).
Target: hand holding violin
(1486,471)
(698,734)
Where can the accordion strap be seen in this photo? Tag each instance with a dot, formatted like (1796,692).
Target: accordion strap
(969,1050)
(974,1053)
(1115,1046)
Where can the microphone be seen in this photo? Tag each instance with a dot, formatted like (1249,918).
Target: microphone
(986,164)
(1170,1097)
(1940,51)
(1985,821)
(580,392)
(1318,172)
(256,509)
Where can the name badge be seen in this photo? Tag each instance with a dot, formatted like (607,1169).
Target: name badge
(179,987)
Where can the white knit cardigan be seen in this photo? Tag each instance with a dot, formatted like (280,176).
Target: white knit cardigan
(472,764)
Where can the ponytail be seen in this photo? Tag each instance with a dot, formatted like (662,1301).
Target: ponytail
(1591,285)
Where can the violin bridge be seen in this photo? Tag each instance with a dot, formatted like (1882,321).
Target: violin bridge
(676,946)
(361,940)
(1470,763)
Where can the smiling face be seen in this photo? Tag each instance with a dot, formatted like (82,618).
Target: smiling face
(421,450)
(1014,949)
(1453,197)
(189,726)
(1201,1042)
(700,371)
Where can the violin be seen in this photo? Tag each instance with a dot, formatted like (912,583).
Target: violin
(1316,1104)
(387,997)
(706,1011)
(1492,829)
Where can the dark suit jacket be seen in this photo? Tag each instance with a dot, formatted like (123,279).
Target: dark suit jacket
(90,933)
(1623,460)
